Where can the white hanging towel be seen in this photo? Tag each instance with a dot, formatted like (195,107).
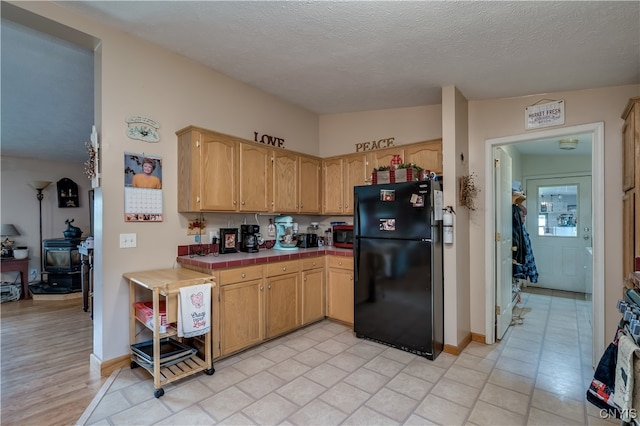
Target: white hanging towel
(628,354)
(194,310)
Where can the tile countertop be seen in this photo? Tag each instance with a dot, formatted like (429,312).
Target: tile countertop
(232,260)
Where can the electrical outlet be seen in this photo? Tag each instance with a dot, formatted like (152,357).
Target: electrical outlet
(127,240)
(33,274)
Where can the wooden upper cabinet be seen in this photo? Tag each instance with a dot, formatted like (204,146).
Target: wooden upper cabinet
(630,140)
(309,185)
(218,172)
(630,186)
(383,157)
(285,182)
(255,177)
(427,155)
(332,186)
(188,171)
(207,172)
(355,174)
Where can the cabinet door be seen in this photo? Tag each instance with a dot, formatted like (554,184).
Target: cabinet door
(628,151)
(285,182)
(427,155)
(629,206)
(309,185)
(313,295)
(355,174)
(189,171)
(241,316)
(383,157)
(255,177)
(332,186)
(340,295)
(219,171)
(283,304)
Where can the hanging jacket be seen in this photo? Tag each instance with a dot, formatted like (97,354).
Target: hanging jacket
(518,235)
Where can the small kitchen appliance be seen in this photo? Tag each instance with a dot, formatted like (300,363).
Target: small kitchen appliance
(249,235)
(286,237)
(307,240)
(343,236)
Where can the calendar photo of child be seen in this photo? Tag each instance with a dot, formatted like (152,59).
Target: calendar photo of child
(142,188)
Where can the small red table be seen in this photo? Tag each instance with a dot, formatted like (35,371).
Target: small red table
(10,264)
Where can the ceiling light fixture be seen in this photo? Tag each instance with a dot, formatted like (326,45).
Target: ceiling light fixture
(568,144)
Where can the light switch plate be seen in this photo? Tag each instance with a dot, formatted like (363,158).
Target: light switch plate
(127,240)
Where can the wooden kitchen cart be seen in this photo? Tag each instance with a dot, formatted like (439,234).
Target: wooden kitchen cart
(165,285)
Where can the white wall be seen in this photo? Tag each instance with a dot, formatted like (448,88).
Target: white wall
(135,77)
(536,165)
(339,133)
(505,117)
(20,203)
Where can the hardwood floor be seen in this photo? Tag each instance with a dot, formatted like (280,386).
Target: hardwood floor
(45,373)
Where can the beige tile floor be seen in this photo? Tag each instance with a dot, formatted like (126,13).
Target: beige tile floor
(323,375)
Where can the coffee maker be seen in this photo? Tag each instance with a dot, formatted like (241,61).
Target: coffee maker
(249,238)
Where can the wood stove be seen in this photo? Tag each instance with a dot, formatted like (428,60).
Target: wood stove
(62,262)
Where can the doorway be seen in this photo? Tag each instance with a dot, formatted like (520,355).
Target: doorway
(596,132)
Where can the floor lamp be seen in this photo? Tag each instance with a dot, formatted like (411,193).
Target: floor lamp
(40,185)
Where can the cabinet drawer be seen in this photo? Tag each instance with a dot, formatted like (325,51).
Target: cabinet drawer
(280,268)
(312,263)
(341,262)
(248,273)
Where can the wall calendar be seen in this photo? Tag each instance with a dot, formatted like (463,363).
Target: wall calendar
(142,188)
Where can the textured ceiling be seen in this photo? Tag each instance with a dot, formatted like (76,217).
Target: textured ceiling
(335,57)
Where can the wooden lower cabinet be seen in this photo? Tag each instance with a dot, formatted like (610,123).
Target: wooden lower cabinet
(241,316)
(340,289)
(313,290)
(260,302)
(283,311)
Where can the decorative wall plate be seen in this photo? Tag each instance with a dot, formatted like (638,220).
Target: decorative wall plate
(142,128)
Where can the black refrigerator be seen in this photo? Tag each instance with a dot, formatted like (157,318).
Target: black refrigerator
(399,284)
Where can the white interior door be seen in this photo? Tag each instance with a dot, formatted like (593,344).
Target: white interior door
(503,226)
(559,223)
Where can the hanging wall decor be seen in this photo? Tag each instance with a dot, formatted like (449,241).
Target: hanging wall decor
(142,188)
(142,128)
(68,193)
(92,165)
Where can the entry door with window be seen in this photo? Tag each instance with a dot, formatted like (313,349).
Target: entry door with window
(559,225)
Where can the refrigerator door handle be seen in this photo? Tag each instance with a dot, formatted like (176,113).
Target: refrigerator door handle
(356,233)
(356,214)
(356,263)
